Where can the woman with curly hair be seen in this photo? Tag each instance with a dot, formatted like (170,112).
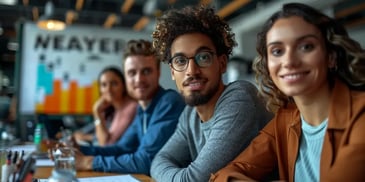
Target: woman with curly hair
(220,120)
(313,75)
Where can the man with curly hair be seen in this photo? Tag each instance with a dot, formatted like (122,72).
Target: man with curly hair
(219,120)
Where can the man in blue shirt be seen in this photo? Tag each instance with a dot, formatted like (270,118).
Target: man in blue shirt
(155,121)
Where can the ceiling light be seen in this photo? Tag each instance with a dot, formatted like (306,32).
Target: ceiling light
(12,46)
(49,21)
(8,2)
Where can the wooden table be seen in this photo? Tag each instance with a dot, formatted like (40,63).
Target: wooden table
(45,172)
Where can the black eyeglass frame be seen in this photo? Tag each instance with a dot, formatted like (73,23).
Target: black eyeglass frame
(210,53)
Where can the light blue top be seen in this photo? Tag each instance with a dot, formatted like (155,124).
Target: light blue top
(309,155)
(149,131)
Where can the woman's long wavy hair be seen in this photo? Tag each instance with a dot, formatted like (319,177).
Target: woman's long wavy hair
(349,56)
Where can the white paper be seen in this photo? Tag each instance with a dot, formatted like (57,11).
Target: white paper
(29,148)
(118,178)
(44,162)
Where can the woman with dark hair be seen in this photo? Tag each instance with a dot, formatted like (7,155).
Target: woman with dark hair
(313,75)
(113,111)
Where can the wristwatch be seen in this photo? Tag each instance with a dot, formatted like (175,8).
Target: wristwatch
(97,122)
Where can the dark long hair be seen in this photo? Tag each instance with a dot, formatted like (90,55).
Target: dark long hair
(109,112)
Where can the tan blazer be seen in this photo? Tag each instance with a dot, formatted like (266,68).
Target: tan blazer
(277,145)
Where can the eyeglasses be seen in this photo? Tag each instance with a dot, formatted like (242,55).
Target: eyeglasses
(203,59)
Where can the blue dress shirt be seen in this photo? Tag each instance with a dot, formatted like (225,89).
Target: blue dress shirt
(149,131)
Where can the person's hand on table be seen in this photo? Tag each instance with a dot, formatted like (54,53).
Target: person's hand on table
(83,162)
(50,143)
(80,136)
(71,142)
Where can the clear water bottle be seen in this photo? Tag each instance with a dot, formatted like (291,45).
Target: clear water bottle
(60,175)
(40,137)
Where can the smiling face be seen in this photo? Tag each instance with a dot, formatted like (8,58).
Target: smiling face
(198,85)
(111,86)
(297,58)
(142,76)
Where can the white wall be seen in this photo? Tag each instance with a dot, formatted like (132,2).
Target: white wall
(358,35)
(165,78)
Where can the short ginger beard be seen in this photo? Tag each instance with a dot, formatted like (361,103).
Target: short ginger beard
(196,98)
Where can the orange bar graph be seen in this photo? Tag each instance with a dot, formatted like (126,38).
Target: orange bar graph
(74,100)
(51,104)
(80,104)
(88,99)
(96,93)
(48,103)
(65,94)
(39,107)
(57,88)
(73,96)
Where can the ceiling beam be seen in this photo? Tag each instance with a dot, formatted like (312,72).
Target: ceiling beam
(79,4)
(171,2)
(35,13)
(110,21)
(352,10)
(231,7)
(25,2)
(127,5)
(70,17)
(141,23)
(205,2)
(355,23)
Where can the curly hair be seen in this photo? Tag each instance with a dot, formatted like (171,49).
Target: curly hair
(140,47)
(350,57)
(192,19)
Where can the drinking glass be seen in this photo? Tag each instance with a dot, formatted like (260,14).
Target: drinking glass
(64,160)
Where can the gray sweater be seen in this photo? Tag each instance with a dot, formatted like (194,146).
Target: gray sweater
(197,149)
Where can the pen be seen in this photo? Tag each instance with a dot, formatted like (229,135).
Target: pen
(15,157)
(6,168)
(25,168)
(13,167)
(20,161)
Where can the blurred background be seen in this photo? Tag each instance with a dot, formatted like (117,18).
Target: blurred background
(28,46)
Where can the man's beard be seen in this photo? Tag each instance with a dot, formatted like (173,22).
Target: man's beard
(196,98)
